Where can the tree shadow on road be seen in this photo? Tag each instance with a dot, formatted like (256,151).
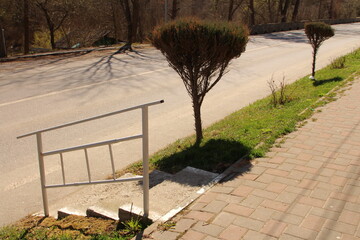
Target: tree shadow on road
(293,37)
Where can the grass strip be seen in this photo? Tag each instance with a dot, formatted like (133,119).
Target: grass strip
(252,130)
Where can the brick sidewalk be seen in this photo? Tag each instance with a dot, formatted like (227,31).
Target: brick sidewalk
(307,189)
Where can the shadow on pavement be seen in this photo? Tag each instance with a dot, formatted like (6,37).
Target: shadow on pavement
(324,81)
(215,156)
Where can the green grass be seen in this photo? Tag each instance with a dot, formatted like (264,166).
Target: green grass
(253,129)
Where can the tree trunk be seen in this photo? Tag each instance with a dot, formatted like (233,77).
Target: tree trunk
(26,27)
(197,116)
(332,9)
(52,37)
(135,18)
(296,10)
(270,11)
(283,7)
(315,50)
(230,13)
(320,9)
(174,9)
(252,12)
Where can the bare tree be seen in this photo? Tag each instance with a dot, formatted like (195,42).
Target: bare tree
(26,27)
(174,9)
(131,10)
(55,13)
(296,10)
(283,9)
(234,5)
(252,12)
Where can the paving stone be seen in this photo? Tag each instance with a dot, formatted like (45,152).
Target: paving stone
(211,238)
(197,206)
(183,225)
(338,181)
(313,222)
(230,198)
(287,218)
(252,235)
(277,172)
(350,217)
(312,201)
(321,212)
(215,206)
(233,232)
(242,191)
(208,229)
(329,234)
(192,235)
(264,194)
(248,223)
(208,197)
(274,228)
(320,193)
(301,232)
(198,215)
(340,227)
(238,209)
(287,197)
(224,219)
(289,237)
(279,206)
(166,235)
(335,205)
(296,175)
(222,189)
(252,201)
(262,214)
(276,187)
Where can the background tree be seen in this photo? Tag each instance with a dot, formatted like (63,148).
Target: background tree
(55,13)
(317,33)
(200,53)
(131,10)
(26,27)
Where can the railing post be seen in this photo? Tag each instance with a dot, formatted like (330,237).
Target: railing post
(42,174)
(145,133)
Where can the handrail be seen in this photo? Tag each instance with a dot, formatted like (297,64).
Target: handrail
(145,151)
(91,118)
(91,145)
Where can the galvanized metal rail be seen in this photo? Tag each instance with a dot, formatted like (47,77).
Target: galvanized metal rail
(145,152)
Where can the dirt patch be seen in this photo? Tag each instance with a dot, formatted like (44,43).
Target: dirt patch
(71,227)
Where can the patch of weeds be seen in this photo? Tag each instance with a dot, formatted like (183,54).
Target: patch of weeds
(166,226)
(132,227)
(279,92)
(338,63)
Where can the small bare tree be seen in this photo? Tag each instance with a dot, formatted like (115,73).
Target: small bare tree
(200,52)
(317,33)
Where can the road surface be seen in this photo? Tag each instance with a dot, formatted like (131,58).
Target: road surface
(42,93)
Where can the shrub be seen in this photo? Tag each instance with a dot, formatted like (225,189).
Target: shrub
(200,52)
(338,63)
(317,33)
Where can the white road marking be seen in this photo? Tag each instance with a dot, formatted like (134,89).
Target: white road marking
(77,88)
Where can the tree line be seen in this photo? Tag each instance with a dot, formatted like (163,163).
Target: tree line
(37,24)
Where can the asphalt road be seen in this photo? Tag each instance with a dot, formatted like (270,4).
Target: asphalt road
(42,93)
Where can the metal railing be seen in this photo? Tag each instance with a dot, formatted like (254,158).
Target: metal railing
(145,152)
